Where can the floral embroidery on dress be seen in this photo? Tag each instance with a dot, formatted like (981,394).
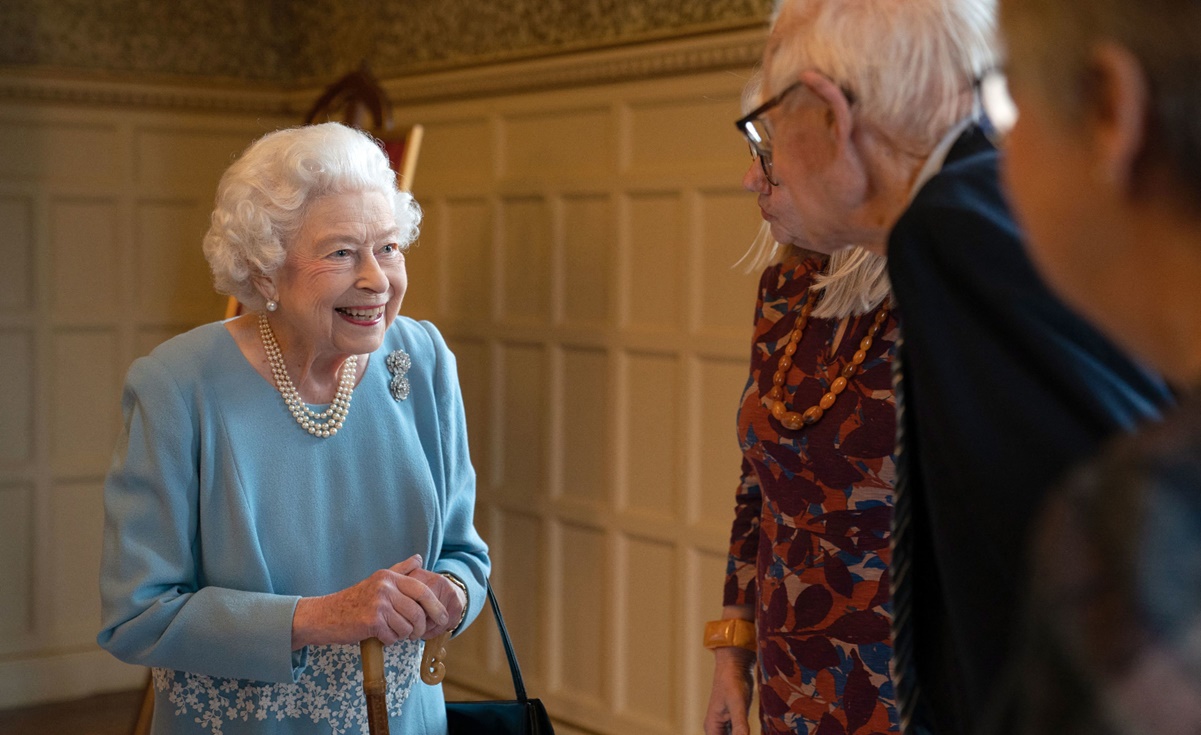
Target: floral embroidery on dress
(329,690)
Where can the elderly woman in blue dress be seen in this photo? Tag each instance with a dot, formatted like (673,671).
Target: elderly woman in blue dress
(294,480)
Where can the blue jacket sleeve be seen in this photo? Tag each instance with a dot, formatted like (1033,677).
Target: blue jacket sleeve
(463,553)
(156,609)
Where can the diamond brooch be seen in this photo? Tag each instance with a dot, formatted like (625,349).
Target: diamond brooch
(399,362)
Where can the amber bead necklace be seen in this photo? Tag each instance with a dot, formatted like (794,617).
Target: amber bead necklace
(774,400)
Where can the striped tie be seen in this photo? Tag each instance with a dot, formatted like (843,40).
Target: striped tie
(901,587)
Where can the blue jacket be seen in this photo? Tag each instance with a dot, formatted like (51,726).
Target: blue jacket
(221,512)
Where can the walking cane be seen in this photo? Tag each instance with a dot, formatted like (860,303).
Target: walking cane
(375,686)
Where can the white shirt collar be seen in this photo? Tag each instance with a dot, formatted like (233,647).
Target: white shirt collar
(939,155)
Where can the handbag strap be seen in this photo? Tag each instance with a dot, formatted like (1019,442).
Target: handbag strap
(514,669)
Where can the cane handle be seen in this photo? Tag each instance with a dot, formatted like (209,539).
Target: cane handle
(433,666)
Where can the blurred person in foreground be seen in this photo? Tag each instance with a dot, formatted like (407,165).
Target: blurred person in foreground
(879,139)
(258,525)
(806,606)
(1104,167)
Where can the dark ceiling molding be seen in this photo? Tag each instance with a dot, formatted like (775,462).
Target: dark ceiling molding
(737,49)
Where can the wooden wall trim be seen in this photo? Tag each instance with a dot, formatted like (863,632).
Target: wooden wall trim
(728,50)
(20,87)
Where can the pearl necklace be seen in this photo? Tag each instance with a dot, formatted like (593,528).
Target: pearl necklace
(774,400)
(326,423)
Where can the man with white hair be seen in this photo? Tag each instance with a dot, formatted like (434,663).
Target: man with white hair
(873,129)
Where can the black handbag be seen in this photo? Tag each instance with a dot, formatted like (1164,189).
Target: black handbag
(521,716)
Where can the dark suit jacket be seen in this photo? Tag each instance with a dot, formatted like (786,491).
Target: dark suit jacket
(1005,389)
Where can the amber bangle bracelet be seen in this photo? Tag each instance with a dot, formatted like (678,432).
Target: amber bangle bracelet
(734,632)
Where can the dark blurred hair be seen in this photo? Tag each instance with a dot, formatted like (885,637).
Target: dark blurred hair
(1050,42)
(1115,606)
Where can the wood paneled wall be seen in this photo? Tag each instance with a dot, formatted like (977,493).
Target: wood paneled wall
(577,253)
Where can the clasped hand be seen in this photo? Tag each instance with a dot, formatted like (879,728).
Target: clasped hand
(403,602)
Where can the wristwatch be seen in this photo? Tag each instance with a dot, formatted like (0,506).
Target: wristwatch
(466,597)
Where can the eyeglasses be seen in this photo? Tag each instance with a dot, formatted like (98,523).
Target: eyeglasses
(992,89)
(754,127)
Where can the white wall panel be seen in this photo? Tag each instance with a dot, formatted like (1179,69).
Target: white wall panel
(523,425)
(717,459)
(424,267)
(590,249)
(526,260)
(656,269)
(648,677)
(84,156)
(178,161)
(650,419)
(584,436)
(76,529)
(86,401)
(520,572)
(16,397)
(467,240)
(472,358)
(174,284)
(729,223)
(456,153)
(582,655)
(686,135)
(85,256)
(16,565)
(559,144)
(16,252)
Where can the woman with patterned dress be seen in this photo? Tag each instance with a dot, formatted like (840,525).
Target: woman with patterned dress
(252,539)
(808,560)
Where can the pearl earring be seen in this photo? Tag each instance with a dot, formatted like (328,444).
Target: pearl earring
(272,305)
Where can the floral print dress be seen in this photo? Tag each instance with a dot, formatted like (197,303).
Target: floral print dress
(809,544)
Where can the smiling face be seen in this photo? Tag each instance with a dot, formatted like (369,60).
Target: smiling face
(343,279)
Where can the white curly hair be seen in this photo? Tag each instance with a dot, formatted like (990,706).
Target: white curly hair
(263,197)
